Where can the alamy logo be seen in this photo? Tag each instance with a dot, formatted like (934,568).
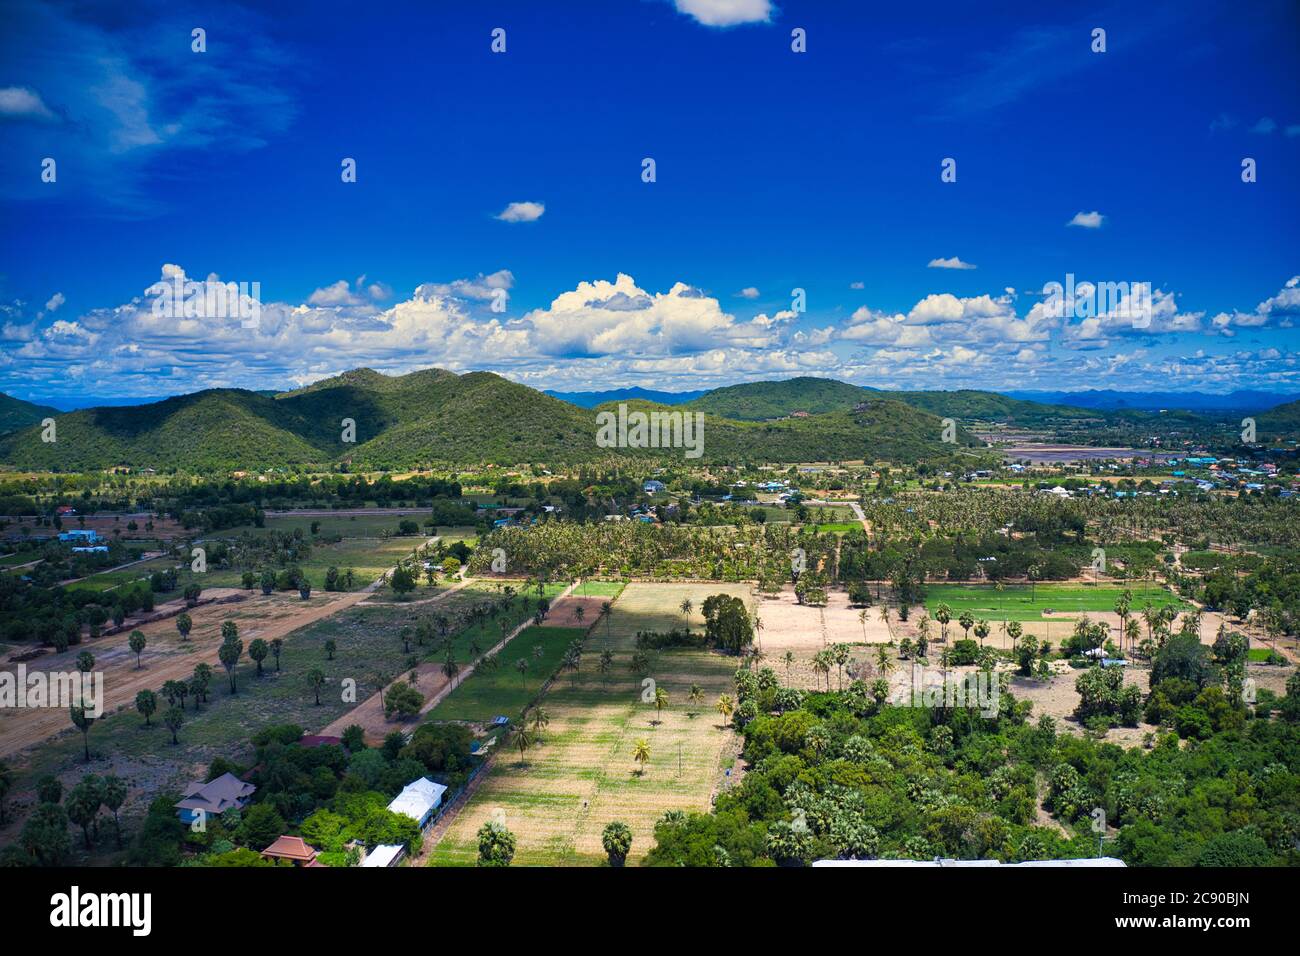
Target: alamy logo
(1085,300)
(61,689)
(182,298)
(974,691)
(73,909)
(651,430)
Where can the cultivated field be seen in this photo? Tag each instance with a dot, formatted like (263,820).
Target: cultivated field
(558,798)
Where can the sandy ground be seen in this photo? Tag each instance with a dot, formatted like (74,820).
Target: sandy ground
(167,657)
(788,625)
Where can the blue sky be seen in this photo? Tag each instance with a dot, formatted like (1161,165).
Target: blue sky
(776,170)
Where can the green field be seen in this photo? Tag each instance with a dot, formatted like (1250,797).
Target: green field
(559,796)
(484,695)
(1021,602)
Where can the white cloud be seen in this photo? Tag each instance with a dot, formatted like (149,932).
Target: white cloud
(726,13)
(55,301)
(1087,220)
(18,102)
(522,212)
(857,285)
(749,292)
(1265,126)
(951,263)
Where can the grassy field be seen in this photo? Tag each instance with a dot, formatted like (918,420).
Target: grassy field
(559,797)
(484,695)
(1021,602)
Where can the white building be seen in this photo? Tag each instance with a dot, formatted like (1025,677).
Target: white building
(419,800)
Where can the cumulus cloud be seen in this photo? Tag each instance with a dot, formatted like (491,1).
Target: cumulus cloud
(749,292)
(1087,220)
(54,302)
(522,212)
(726,13)
(18,102)
(952,263)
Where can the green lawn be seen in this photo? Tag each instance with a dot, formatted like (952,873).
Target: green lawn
(609,589)
(504,690)
(1021,602)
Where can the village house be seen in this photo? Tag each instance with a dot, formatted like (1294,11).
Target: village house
(214,798)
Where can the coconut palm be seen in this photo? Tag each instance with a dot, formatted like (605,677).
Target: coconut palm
(641,754)
(724,706)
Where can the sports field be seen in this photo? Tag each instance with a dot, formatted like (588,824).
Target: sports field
(562,793)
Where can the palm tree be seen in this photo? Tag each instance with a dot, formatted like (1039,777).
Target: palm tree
(522,738)
(450,668)
(943,614)
(686,607)
(883,662)
(606,662)
(696,695)
(641,754)
(724,706)
(862,619)
(788,658)
(822,665)
(521,665)
(661,701)
(540,720)
(884,616)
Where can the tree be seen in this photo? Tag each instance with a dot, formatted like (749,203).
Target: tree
(173,720)
(277,645)
(229,654)
(540,719)
(685,607)
(45,835)
(330,647)
(82,720)
(315,680)
(191,593)
(660,702)
(967,621)
(304,588)
(521,665)
(696,695)
(641,754)
(522,738)
(617,841)
(496,845)
(184,624)
(199,682)
(146,702)
(114,793)
(402,581)
(83,805)
(402,700)
(450,668)
(257,650)
(724,706)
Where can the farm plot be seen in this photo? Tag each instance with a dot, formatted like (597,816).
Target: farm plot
(166,656)
(558,797)
(367,650)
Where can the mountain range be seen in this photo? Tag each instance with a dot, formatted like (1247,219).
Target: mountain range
(366,419)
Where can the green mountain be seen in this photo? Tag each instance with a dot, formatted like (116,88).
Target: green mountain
(435,416)
(210,430)
(969,404)
(763,401)
(1280,422)
(15,413)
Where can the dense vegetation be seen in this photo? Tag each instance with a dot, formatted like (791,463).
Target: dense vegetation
(844,775)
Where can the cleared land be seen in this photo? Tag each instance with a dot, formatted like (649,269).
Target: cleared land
(559,796)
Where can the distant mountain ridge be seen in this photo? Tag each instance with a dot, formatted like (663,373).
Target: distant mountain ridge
(634,393)
(365,419)
(16,413)
(1241,400)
